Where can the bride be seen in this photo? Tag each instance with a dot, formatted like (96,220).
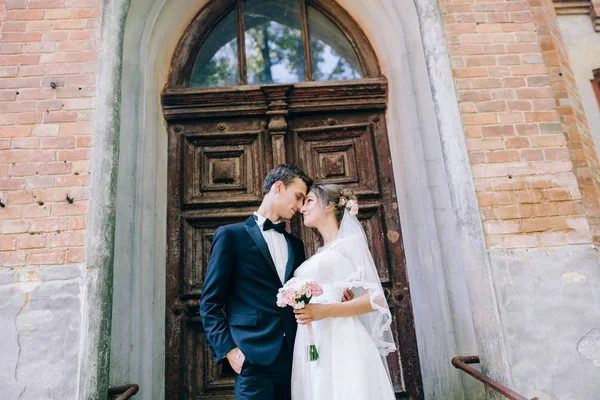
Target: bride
(352,338)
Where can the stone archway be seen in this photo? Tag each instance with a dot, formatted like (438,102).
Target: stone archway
(436,199)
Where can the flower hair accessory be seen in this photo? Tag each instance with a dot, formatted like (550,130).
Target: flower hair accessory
(350,204)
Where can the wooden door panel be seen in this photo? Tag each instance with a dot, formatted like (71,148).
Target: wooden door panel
(395,360)
(204,378)
(195,251)
(372,220)
(341,154)
(218,168)
(198,374)
(218,158)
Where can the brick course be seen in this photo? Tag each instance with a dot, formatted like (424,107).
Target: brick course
(48,60)
(574,123)
(530,148)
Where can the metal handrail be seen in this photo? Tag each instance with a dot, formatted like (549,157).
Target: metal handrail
(125,392)
(461,362)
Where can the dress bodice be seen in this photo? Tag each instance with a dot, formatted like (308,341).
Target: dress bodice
(328,268)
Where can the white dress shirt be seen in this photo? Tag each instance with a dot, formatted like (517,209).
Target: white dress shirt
(277,244)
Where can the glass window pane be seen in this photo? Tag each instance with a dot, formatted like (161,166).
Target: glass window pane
(273,36)
(332,54)
(217,61)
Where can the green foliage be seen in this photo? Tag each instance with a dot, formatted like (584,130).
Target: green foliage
(220,70)
(270,44)
(274,54)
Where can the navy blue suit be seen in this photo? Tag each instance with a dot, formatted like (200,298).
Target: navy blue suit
(239,309)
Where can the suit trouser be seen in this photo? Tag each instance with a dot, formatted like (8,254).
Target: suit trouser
(266,382)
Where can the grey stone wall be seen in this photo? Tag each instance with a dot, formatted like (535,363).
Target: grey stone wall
(40,319)
(549,303)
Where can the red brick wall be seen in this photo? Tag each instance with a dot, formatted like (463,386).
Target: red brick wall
(46,131)
(533,161)
(515,122)
(575,126)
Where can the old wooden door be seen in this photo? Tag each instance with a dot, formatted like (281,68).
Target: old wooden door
(224,140)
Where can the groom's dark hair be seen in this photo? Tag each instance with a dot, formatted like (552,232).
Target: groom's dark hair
(285,173)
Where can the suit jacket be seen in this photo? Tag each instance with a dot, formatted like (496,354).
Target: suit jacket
(238,305)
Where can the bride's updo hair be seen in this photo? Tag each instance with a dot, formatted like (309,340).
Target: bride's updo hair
(330,194)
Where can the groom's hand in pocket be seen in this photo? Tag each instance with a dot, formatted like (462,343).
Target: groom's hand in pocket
(236,359)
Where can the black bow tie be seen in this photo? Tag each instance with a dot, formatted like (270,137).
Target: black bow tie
(279,227)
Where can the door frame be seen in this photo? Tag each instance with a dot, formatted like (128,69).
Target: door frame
(276,102)
(186,110)
(127,235)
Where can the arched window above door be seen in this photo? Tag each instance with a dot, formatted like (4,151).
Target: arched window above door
(274,41)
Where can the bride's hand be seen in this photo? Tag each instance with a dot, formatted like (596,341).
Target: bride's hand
(310,313)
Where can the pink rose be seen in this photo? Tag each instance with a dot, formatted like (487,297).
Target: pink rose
(315,289)
(354,210)
(290,297)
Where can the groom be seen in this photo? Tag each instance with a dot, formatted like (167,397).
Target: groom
(249,262)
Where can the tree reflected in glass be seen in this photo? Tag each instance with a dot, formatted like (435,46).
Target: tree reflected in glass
(273,43)
(217,61)
(332,53)
(274,51)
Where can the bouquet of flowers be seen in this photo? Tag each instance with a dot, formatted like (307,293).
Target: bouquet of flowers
(297,293)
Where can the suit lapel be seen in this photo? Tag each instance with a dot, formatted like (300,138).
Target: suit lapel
(291,257)
(254,232)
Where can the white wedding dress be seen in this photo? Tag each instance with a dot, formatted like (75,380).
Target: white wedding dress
(352,350)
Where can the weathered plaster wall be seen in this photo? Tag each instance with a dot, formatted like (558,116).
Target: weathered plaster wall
(551,319)
(48,59)
(583,46)
(40,316)
(98,277)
